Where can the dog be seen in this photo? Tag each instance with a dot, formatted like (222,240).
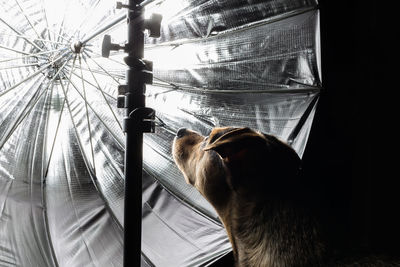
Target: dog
(252,181)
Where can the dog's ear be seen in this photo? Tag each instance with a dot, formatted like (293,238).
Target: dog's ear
(257,162)
(232,145)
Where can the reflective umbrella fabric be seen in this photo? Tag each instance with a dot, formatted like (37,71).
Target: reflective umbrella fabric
(217,63)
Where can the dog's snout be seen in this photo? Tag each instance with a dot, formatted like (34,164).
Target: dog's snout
(181,132)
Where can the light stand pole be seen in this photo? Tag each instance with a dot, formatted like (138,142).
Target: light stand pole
(138,120)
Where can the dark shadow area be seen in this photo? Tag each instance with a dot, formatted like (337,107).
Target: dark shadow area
(350,160)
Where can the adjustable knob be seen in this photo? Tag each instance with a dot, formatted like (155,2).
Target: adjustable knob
(120,5)
(153,25)
(107,46)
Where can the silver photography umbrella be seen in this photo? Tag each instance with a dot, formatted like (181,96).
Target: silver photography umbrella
(217,63)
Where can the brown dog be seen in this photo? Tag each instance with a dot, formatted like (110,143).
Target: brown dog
(251,179)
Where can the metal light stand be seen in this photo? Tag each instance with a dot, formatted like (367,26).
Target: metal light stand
(138,120)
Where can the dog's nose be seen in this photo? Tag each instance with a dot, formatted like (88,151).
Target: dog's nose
(181,132)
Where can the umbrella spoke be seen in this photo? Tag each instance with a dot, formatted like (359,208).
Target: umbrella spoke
(22,81)
(47,23)
(31,55)
(119,76)
(102,93)
(100,56)
(120,143)
(61,30)
(20,34)
(59,120)
(86,18)
(61,33)
(18,66)
(147,2)
(32,38)
(87,115)
(14,50)
(18,119)
(28,20)
(104,70)
(93,85)
(39,71)
(104,29)
(29,106)
(72,120)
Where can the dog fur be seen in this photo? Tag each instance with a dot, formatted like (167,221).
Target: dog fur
(252,181)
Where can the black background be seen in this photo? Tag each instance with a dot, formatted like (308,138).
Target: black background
(351,159)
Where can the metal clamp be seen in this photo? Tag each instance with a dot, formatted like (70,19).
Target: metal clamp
(145,67)
(141,119)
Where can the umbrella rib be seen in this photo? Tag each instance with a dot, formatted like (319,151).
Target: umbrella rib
(30,55)
(104,29)
(97,115)
(43,185)
(87,116)
(105,70)
(61,29)
(59,121)
(19,66)
(22,116)
(19,118)
(29,22)
(58,35)
(30,76)
(84,159)
(47,23)
(61,32)
(20,34)
(14,50)
(109,58)
(32,38)
(93,85)
(22,81)
(120,76)
(171,87)
(93,177)
(92,11)
(102,93)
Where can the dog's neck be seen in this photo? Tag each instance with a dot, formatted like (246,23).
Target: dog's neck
(280,234)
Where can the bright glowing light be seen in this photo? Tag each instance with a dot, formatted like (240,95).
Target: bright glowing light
(76,16)
(166,8)
(53,10)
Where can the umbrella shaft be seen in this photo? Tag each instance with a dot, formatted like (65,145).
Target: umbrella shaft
(133,199)
(134,141)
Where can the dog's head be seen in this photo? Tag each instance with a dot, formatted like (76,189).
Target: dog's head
(237,160)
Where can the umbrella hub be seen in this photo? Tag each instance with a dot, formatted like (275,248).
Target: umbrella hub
(77,47)
(54,63)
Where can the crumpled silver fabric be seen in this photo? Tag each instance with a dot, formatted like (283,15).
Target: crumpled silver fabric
(217,63)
